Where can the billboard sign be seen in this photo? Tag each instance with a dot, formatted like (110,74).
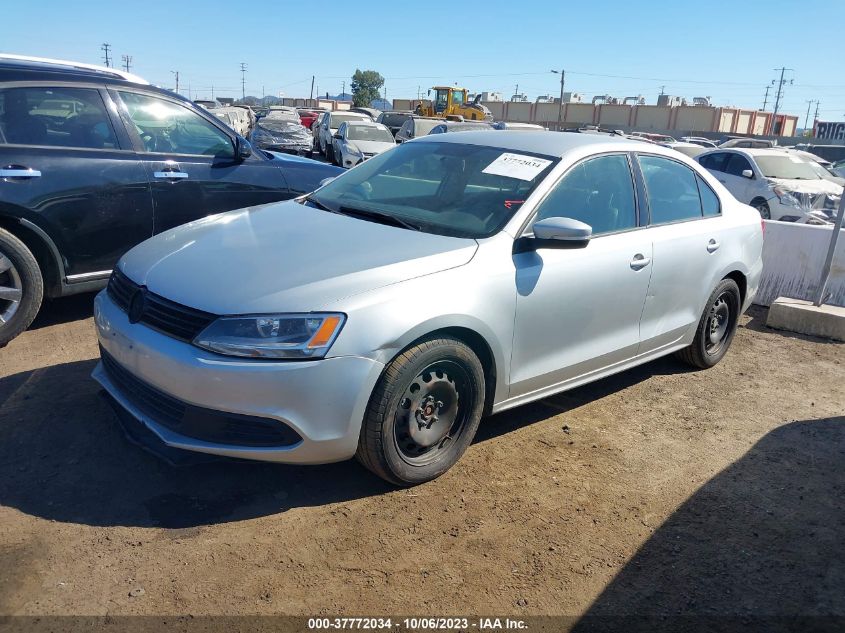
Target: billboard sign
(830,130)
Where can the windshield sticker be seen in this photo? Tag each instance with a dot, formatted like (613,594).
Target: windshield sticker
(517,166)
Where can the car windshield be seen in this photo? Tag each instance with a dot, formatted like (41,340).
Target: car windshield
(451,189)
(395,119)
(337,119)
(281,125)
(787,167)
(369,133)
(424,126)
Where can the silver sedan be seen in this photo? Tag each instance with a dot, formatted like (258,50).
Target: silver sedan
(459,275)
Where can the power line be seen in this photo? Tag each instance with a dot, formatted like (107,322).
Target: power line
(105,48)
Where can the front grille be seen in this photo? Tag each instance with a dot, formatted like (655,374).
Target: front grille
(199,423)
(161,314)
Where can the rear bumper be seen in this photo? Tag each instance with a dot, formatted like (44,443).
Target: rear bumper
(323,402)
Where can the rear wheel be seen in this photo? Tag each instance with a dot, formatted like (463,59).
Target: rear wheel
(330,153)
(716,328)
(21,287)
(423,413)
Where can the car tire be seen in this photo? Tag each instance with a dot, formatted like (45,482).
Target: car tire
(330,153)
(21,284)
(423,413)
(716,328)
(762,208)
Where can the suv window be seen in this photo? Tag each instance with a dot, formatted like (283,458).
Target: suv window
(165,126)
(736,164)
(716,162)
(58,117)
(598,192)
(672,190)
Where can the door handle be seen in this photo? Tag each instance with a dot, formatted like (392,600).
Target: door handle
(713,246)
(170,175)
(640,261)
(19,172)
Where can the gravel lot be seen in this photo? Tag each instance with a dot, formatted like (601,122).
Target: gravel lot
(660,490)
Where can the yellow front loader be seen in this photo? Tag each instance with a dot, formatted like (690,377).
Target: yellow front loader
(451,102)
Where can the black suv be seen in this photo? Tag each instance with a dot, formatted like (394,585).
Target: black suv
(94,161)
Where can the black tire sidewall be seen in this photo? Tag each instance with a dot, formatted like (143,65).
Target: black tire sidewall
(31,281)
(443,349)
(701,339)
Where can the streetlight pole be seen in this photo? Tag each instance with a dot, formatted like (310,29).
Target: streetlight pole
(562,74)
(828,262)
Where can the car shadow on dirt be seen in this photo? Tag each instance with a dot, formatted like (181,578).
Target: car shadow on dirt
(65,457)
(64,310)
(758,547)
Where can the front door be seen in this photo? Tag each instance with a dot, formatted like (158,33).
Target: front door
(578,309)
(64,167)
(191,163)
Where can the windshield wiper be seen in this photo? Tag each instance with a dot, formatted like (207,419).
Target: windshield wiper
(318,204)
(377,216)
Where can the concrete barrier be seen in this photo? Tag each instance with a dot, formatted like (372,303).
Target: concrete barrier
(793,255)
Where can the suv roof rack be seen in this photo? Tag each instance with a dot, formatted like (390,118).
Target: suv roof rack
(68,64)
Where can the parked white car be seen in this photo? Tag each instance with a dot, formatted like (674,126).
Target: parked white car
(236,118)
(357,141)
(780,185)
(329,124)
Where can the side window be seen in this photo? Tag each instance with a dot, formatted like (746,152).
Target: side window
(598,192)
(710,204)
(672,190)
(168,127)
(736,164)
(715,162)
(57,117)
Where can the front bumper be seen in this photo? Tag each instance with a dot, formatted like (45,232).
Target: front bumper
(323,401)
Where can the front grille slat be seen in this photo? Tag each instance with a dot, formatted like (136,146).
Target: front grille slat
(195,422)
(168,317)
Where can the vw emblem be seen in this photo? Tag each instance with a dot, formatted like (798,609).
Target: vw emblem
(136,305)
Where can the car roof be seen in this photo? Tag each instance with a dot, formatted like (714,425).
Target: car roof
(365,124)
(82,70)
(540,142)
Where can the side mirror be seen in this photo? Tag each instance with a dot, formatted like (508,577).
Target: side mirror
(243,149)
(556,232)
(747,173)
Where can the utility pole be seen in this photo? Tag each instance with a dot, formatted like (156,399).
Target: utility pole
(176,74)
(127,62)
(385,92)
(780,85)
(516,90)
(807,118)
(816,115)
(766,98)
(311,98)
(243,81)
(212,92)
(105,48)
(662,90)
(343,92)
(419,92)
(560,103)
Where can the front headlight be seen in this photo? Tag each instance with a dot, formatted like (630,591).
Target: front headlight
(786,197)
(296,336)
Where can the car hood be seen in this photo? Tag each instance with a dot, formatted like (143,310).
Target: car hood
(284,257)
(371,147)
(808,186)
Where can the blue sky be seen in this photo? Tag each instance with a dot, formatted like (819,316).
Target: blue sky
(727,50)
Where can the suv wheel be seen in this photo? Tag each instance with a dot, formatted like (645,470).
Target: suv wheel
(21,287)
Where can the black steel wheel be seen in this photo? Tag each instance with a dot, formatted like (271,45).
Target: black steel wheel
(423,413)
(716,328)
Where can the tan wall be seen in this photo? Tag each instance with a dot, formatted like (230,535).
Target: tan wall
(651,117)
(497,109)
(761,124)
(726,121)
(519,111)
(789,126)
(546,112)
(693,118)
(581,113)
(743,124)
(402,104)
(614,115)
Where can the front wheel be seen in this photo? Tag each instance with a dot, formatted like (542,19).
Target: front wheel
(423,413)
(716,328)
(21,287)
(763,209)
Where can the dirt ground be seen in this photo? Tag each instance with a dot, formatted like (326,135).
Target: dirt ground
(660,490)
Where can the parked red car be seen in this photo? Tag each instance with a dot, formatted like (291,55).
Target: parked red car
(307,117)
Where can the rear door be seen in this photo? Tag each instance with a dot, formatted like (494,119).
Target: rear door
(740,186)
(67,165)
(191,164)
(686,231)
